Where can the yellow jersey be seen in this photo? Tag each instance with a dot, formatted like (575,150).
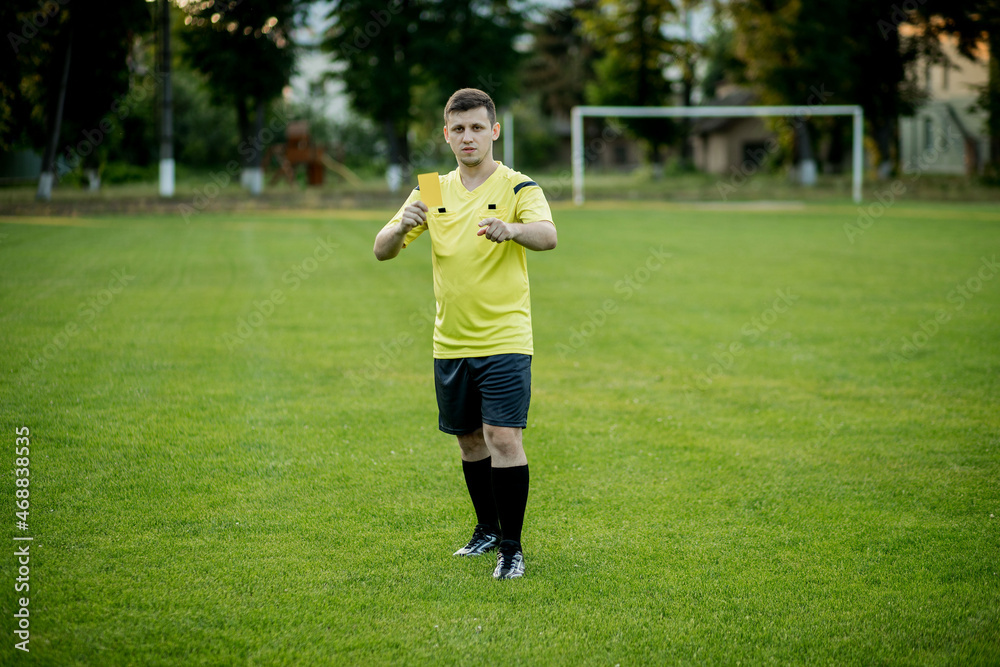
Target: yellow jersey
(481,287)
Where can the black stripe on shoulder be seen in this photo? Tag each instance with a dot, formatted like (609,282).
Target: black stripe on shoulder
(517,188)
(417,188)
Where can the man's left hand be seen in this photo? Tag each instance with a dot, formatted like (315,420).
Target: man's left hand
(496,230)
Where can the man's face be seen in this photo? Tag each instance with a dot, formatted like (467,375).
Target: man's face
(470,135)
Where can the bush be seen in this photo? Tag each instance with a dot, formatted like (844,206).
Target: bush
(126,172)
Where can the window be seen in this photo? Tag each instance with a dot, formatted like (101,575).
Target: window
(754,152)
(928,133)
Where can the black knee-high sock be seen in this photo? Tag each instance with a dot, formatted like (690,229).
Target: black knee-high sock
(510,487)
(479,480)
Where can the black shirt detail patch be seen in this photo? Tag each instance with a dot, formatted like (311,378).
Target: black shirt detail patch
(518,187)
(441,210)
(492,207)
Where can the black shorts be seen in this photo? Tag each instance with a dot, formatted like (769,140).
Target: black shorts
(493,390)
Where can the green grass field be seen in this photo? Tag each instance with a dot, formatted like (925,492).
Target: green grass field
(752,440)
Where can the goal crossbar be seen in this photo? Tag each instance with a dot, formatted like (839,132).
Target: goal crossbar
(853,110)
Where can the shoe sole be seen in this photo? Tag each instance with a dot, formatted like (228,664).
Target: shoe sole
(471,555)
(512,573)
(478,553)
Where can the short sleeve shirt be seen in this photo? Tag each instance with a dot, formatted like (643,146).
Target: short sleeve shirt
(481,287)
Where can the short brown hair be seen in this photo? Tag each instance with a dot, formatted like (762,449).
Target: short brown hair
(467,99)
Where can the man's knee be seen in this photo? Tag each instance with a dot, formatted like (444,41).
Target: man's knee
(503,440)
(473,445)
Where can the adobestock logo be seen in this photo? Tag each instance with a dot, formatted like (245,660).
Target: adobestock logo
(868,215)
(630,285)
(751,331)
(263,310)
(758,158)
(958,297)
(88,312)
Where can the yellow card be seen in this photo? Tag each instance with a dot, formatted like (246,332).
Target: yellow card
(430,190)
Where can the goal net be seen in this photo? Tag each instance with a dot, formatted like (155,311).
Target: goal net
(795,112)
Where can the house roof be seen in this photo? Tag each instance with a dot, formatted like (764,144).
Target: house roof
(736,98)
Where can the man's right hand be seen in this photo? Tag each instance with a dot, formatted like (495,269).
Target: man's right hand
(390,240)
(414,215)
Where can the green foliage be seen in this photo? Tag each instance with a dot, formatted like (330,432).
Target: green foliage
(246,53)
(405,54)
(536,142)
(471,45)
(723,65)
(38,36)
(635,51)
(322,129)
(205,134)
(352,141)
(21,59)
(244,49)
(125,172)
(291,502)
(561,62)
(358,144)
(803,53)
(390,51)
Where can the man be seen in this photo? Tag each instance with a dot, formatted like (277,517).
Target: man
(482,331)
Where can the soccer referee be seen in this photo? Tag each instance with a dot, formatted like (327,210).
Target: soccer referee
(482,330)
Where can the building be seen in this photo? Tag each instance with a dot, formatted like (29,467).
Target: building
(945,135)
(719,144)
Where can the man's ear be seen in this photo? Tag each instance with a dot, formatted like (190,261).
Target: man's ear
(496,131)
(446,133)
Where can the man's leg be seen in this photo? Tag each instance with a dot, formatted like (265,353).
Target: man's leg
(510,487)
(477,466)
(459,413)
(510,478)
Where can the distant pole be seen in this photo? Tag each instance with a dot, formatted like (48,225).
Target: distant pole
(47,177)
(166,110)
(576,151)
(857,154)
(508,138)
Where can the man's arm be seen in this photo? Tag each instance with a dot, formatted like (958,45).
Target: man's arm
(389,241)
(540,235)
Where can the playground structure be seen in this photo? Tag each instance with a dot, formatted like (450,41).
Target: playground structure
(282,160)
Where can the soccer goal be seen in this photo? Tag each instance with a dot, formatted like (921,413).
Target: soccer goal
(580,112)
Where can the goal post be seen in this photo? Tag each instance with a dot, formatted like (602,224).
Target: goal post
(853,110)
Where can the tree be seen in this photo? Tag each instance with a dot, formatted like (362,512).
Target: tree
(807,53)
(70,65)
(399,55)
(244,49)
(974,23)
(379,44)
(472,45)
(562,61)
(20,61)
(722,64)
(687,52)
(635,53)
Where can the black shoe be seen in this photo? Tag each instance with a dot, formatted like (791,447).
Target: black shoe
(484,539)
(510,561)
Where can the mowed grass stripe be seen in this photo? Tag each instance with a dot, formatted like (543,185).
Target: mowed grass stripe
(288,499)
